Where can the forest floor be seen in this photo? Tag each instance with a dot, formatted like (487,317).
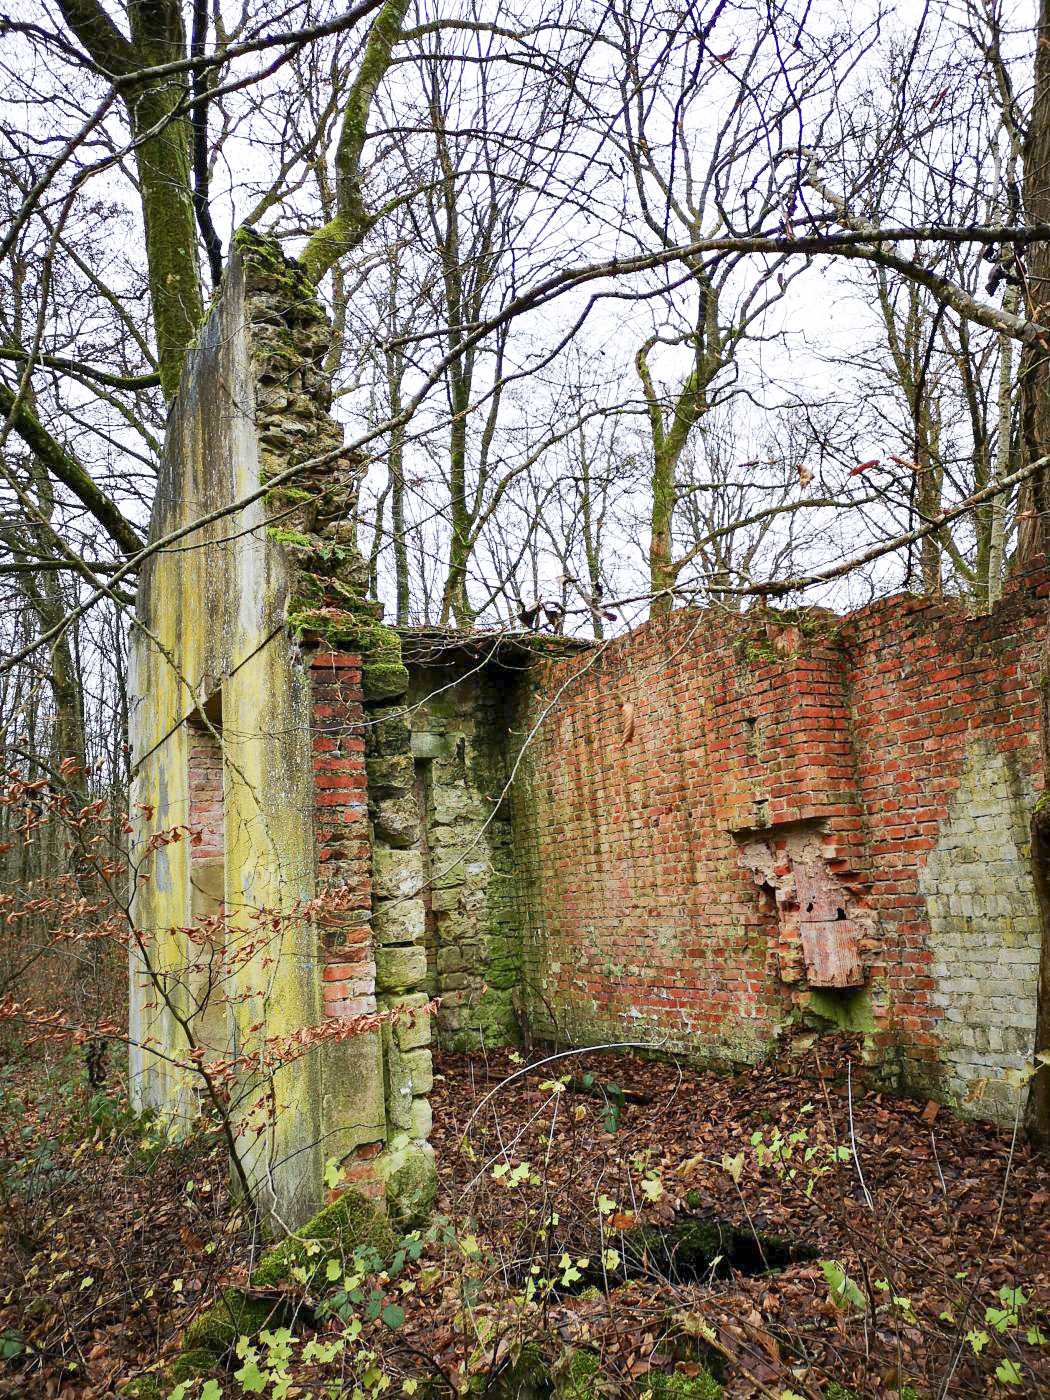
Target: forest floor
(784,1231)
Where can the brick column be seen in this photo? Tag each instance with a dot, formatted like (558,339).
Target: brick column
(352,1108)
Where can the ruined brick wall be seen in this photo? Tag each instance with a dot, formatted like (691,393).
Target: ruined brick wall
(723,821)
(344,852)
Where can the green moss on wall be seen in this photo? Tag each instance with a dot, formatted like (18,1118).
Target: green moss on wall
(850,1009)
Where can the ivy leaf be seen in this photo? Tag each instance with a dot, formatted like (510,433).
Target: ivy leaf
(250,1378)
(652,1188)
(394,1315)
(1008,1372)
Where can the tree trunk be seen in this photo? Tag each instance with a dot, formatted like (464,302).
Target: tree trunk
(1035,359)
(1035,443)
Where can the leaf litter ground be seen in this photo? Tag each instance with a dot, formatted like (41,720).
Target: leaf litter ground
(930,1237)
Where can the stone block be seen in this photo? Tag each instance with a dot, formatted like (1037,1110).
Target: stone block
(411,1183)
(397,820)
(426,744)
(458,803)
(400,969)
(396,873)
(417,1069)
(352,1092)
(414,1033)
(400,921)
(421,1120)
(390,772)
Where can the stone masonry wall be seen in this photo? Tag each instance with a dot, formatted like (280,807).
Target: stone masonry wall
(464,835)
(724,822)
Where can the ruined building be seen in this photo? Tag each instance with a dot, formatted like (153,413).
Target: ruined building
(686,838)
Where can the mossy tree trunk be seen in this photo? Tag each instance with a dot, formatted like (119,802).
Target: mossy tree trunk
(672,419)
(163,138)
(1032,543)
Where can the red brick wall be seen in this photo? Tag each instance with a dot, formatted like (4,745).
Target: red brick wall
(344,864)
(344,853)
(672,755)
(206,778)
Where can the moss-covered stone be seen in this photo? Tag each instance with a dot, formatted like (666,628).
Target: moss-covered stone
(234,1315)
(383,674)
(525,1378)
(581,1378)
(188,1365)
(351,1223)
(411,1183)
(295,537)
(383,679)
(675,1385)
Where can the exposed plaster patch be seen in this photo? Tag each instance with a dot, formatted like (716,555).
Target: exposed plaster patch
(818,937)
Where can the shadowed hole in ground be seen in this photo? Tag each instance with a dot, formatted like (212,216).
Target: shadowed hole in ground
(697,1248)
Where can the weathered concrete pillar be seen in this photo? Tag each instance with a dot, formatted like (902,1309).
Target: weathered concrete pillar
(256,634)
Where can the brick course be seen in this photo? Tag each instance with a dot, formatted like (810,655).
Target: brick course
(343,837)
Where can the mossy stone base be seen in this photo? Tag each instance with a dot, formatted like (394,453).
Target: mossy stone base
(188,1365)
(156,1385)
(411,1183)
(234,1315)
(581,1379)
(351,1223)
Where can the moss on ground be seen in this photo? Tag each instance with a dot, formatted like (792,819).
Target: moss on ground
(676,1385)
(351,1223)
(580,1381)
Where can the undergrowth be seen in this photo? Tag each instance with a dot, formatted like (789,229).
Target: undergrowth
(588,1243)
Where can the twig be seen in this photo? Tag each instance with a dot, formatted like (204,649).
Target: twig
(937,1163)
(853,1136)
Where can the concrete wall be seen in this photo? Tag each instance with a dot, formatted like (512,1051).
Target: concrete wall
(255,670)
(725,822)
